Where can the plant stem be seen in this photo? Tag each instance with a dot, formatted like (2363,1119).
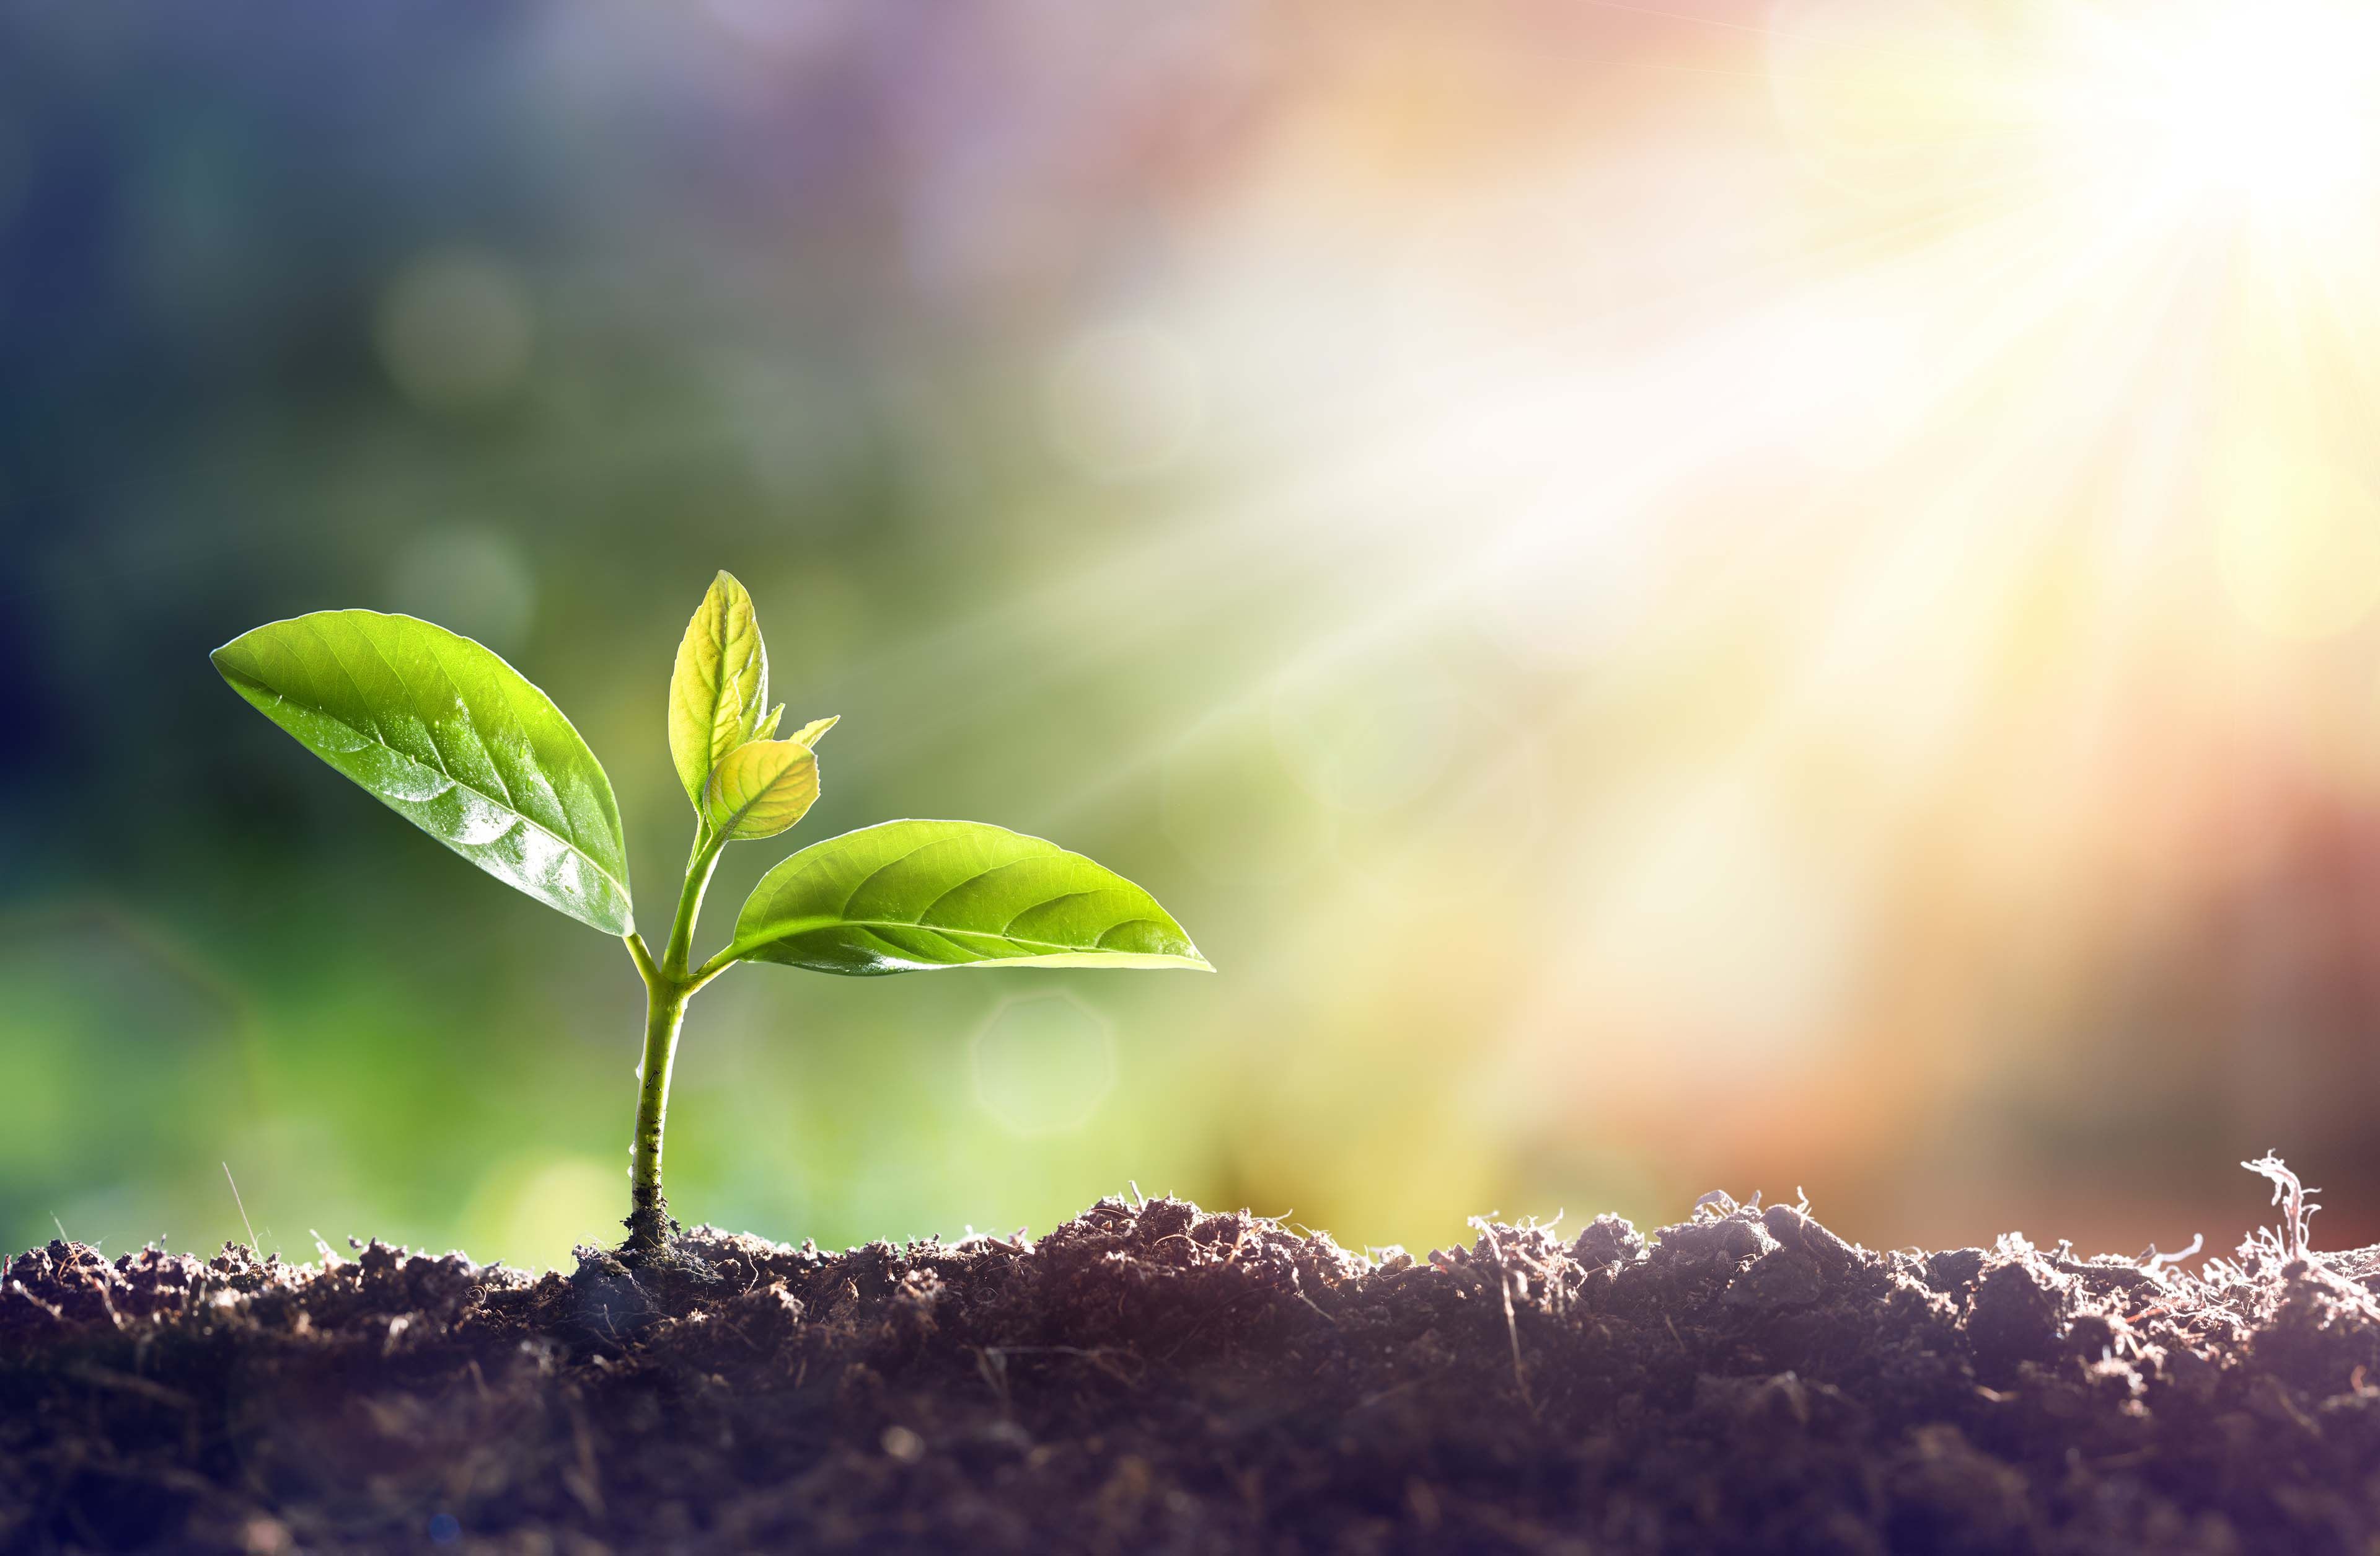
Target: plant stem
(689,906)
(643,958)
(649,1220)
(668,986)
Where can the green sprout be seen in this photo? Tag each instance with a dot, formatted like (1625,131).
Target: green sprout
(459,743)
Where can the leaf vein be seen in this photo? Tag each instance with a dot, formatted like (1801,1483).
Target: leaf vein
(1035,908)
(845,911)
(441,769)
(926,912)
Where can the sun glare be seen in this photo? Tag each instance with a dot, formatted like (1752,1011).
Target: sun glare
(2273,104)
(1802,543)
(1847,486)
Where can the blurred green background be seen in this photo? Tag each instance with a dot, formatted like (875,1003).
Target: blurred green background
(1657,640)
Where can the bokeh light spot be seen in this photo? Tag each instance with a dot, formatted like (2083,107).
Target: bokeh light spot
(1042,1063)
(472,580)
(455,329)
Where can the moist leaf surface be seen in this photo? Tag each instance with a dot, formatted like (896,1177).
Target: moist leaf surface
(912,896)
(445,734)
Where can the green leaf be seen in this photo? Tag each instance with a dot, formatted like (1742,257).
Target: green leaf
(808,734)
(764,788)
(909,896)
(453,739)
(720,686)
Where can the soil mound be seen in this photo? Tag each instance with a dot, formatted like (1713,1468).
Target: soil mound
(1150,1377)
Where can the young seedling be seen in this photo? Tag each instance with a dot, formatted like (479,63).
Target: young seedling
(460,744)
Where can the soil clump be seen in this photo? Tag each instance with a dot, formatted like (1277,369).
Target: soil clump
(1148,1378)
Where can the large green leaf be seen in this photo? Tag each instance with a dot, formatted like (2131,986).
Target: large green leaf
(453,739)
(720,687)
(762,788)
(907,897)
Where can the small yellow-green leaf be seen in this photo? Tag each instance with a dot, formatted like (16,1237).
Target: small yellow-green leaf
(761,789)
(907,897)
(452,738)
(720,686)
(808,734)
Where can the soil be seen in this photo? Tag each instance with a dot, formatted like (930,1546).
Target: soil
(1148,1378)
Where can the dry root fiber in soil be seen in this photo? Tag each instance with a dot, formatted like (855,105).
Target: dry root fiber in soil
(1148,1378)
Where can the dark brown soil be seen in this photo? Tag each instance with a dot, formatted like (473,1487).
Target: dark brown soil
(1148,1378)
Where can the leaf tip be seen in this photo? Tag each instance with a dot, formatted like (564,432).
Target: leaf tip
(234,660)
